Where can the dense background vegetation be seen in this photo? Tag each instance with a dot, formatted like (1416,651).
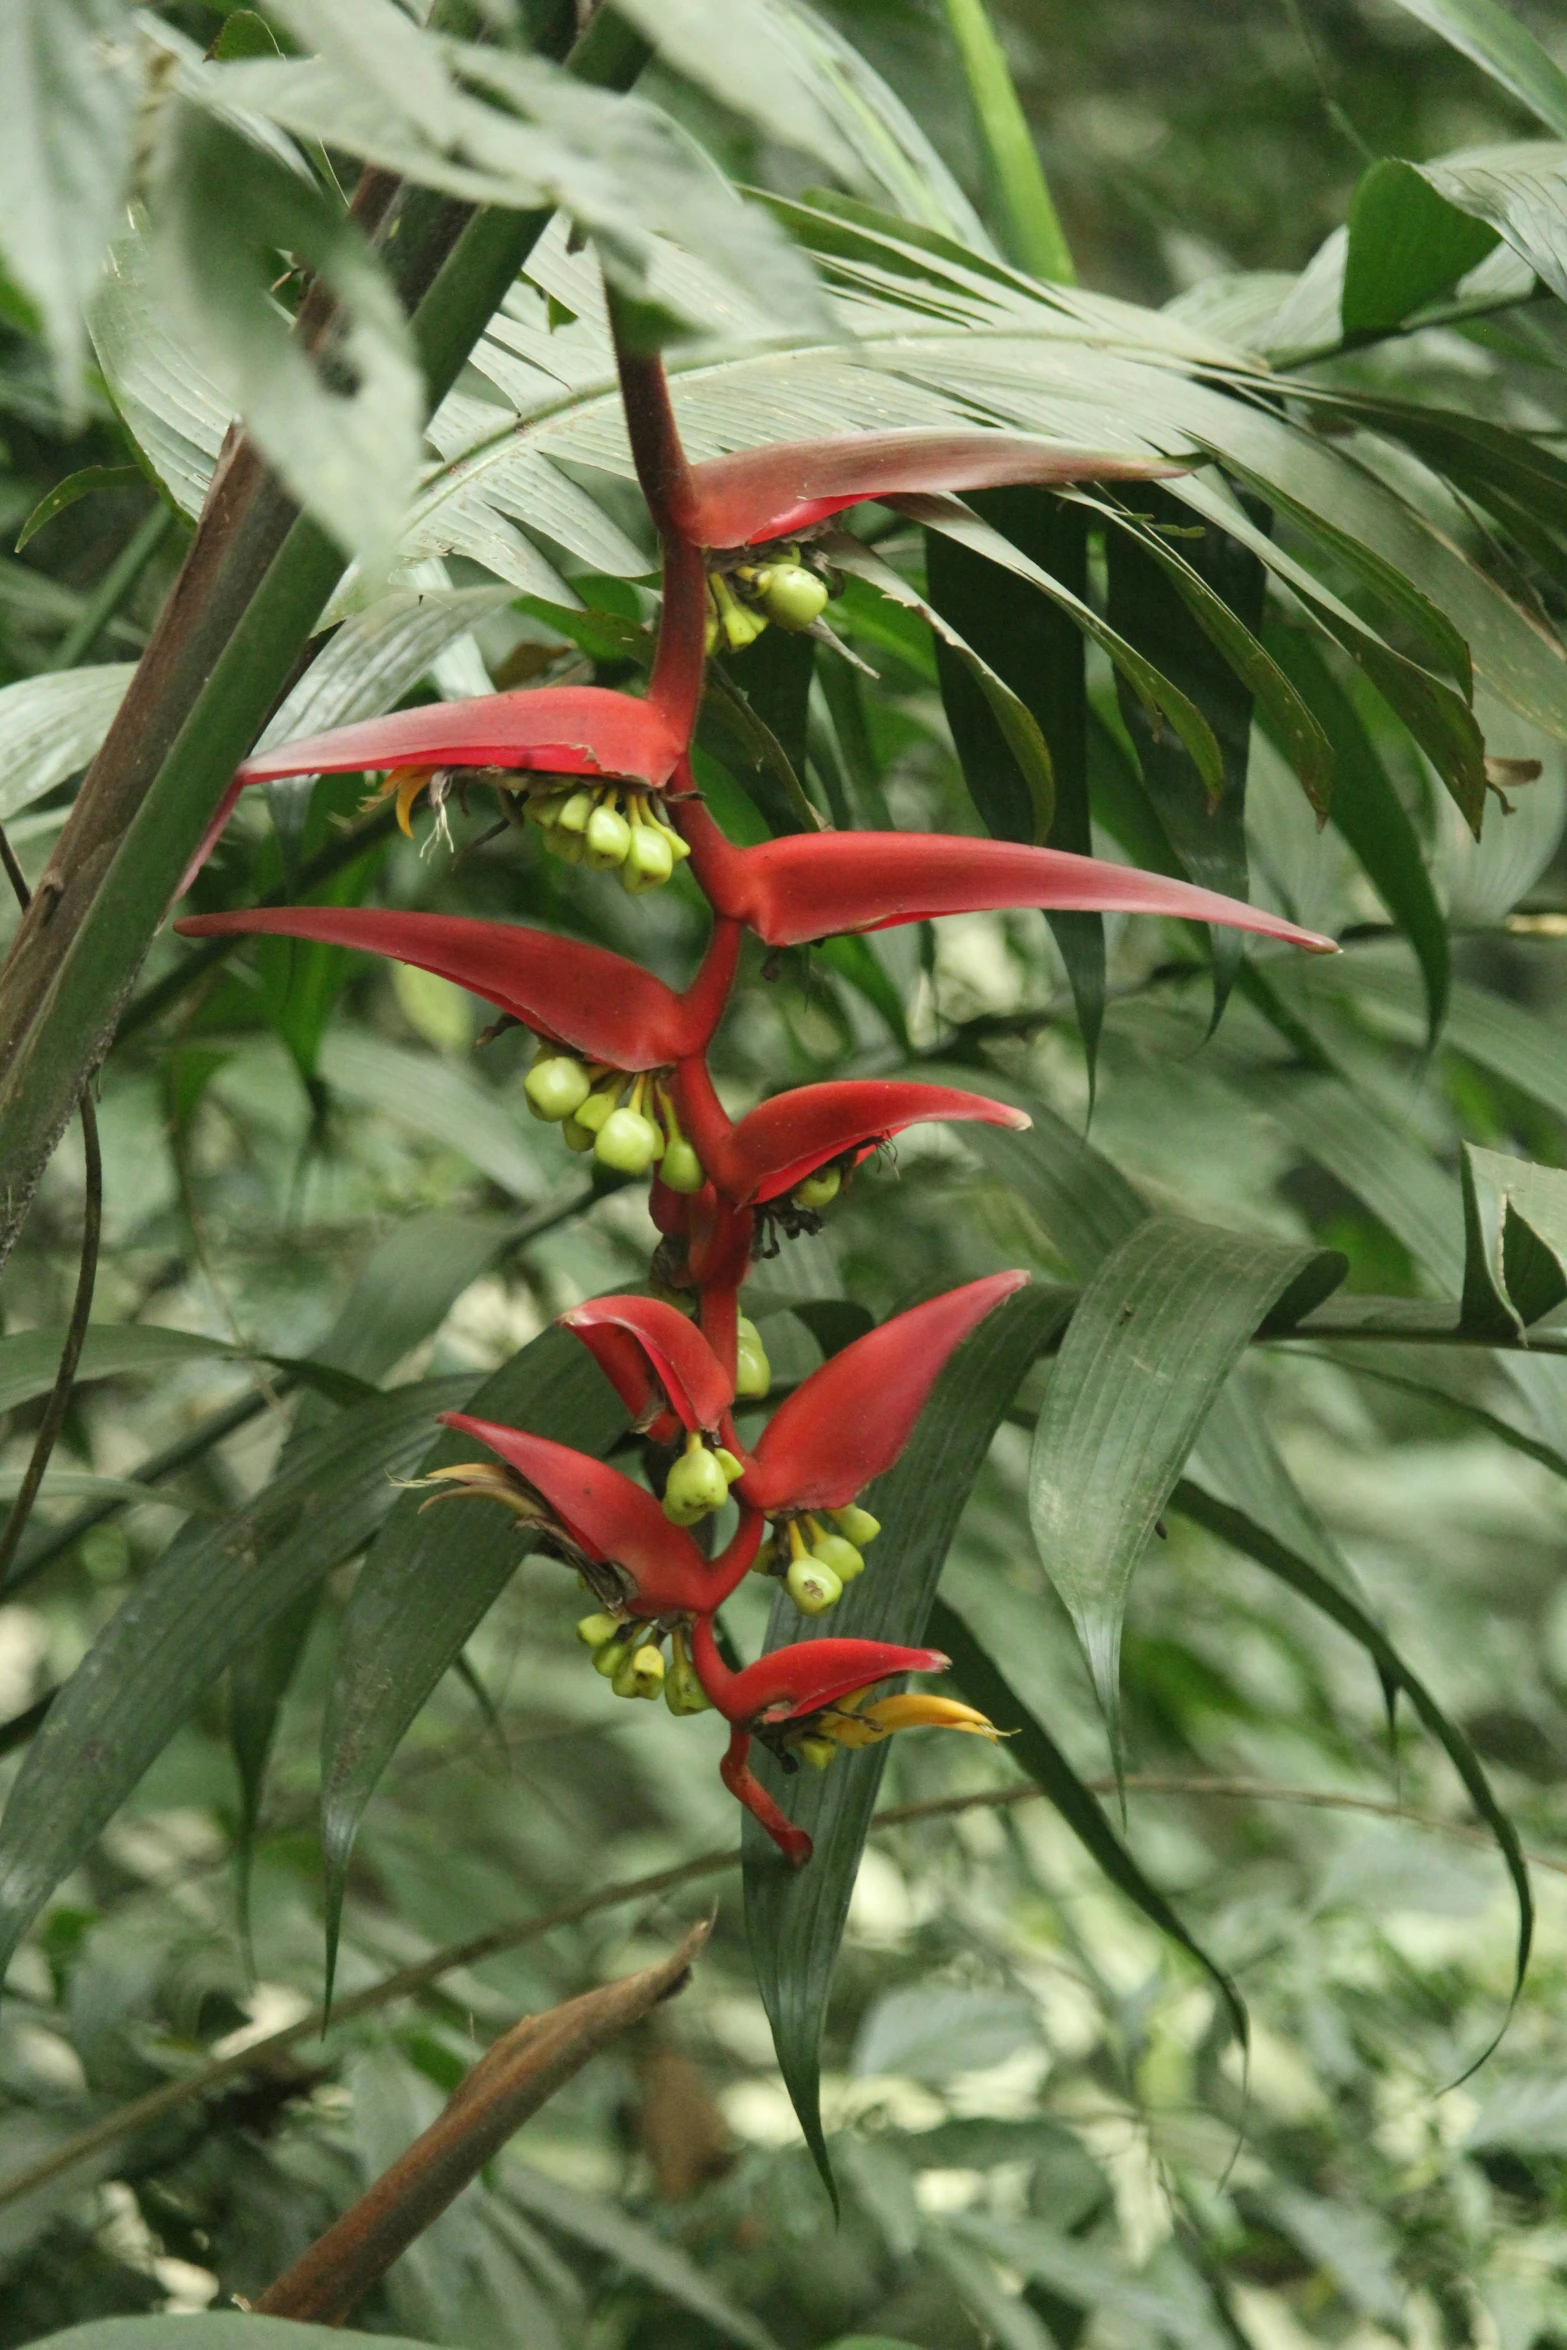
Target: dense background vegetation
(1033,2099)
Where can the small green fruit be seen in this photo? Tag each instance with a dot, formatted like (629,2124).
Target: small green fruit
(608,839)
(726,1460)
(818,1190)
(831,1550)
(790,595)
(628,1142)
(594,1630)
(556,1088)
(576,812)
(681,1168)
(856,1525)
(813,1588)
(816,1753)
(649,859)
(597,1107)
(683,1692)
(609,1659)
(753,1371)
(696,1487)
(575,1135)
(641,1674)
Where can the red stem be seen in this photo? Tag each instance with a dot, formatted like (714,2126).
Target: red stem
(717,866)
(719,1315)
(665,477)
(704,1000)
(738,1777)
(704,1120)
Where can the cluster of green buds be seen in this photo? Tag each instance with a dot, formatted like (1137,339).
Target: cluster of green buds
(815,1561)
(609,827)
(628,1123)
(741,601)
(699,1481)
(630,1656)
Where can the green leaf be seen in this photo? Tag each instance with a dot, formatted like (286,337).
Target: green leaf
(1204,817)
(1232,1525)
(1029,225)
(345,438)
(741,52)
(429,1578)
(212,1593)
(1159,695)
(85,484)
(216,2329)
(51,726)
(368,664)
(66,67)
(1036,649)
(1515,1242)
(1406,246)
(1492,37)
(1037,1755)
(1158,1330)
(169,404)
(113,1350)
(1016,723)
(1369,813)
(436,1095)
(795,1918)
(633,2247)
(1520,192)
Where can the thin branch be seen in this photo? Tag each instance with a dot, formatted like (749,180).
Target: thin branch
(59,1402)
(410,1979)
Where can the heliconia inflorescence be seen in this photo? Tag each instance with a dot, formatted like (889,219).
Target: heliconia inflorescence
(621,1068)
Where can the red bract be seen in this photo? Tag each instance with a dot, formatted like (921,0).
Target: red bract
(616,1522)
(654,1357)
(848,1422)
(814,885)
(787,486)
(558,730)
(775,1147)
(581,996)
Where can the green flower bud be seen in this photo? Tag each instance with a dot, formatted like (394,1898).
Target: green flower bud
(856,1525)
(609,1659)
(683,1692)
(627,1142)
(575,1135)
(753,1371)
(696,1487)
(831,1550)
(727,1462)
(681,1168)
(576,812)
(570,847)
(790,595)
(556,1087)
(641,1674)
(596,1108)
(813,1588)
(649,859)
(818,1190)
(816,1753)
(608,837)
(593,1631)
(543,808)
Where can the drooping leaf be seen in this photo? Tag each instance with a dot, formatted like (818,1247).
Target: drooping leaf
(214,1590)
(1035,649)
(1515,1241)
(1369,813)
(1232,1525)
(85,484)
(1492,36)
(67,69)
(1519,192)
(111,1350)
(795,1918)
(1157,1331)
(431,1576)
(1406,246)
(1036,1753)
(437,1096)
(174,411)
(346,443)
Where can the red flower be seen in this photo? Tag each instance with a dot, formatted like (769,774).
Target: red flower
(659,1364)
(787,486)
(583,997)
(561,730)
(806,1701)
(778,1147)
(634,1557)
(813,885)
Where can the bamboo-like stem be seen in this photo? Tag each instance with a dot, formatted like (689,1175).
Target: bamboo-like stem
(1025,214)
(504,2089)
